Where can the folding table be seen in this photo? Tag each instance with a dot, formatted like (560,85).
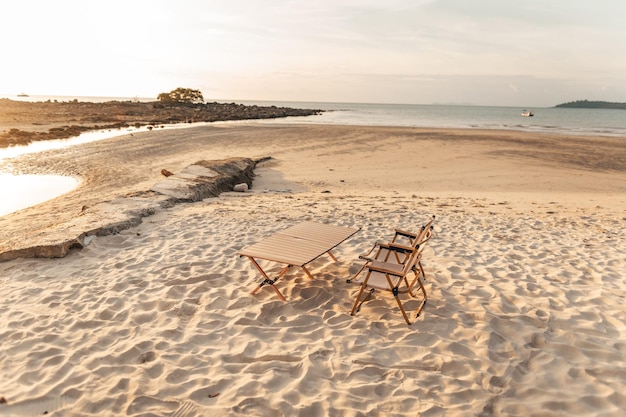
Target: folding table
(298,245)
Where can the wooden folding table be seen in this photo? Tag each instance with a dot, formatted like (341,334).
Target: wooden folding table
(298,245)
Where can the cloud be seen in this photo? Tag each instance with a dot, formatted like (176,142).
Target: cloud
(404,50)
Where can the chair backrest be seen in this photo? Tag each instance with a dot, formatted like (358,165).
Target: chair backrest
(414,258)
(413,238)
(427,233)
(426,230)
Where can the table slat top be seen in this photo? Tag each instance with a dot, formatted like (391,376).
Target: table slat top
(300,244)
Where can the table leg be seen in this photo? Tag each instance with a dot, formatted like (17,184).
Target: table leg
(267,279)
(307,271)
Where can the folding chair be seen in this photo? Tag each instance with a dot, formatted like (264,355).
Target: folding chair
(392,276)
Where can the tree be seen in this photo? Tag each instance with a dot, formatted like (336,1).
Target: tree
(182,95)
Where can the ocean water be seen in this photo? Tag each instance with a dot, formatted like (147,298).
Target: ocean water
(596,122)
(600,122)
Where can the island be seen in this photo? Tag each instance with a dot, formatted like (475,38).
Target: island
(587,104)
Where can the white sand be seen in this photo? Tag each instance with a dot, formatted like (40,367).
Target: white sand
(525,315)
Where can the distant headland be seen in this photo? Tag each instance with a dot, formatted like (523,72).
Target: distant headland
(23,122)
(586,104)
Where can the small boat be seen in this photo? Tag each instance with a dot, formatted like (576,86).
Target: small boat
(527,113)
(22,95)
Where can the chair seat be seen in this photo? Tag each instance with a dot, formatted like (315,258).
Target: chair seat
(377,279)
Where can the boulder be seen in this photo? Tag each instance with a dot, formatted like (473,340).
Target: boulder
(241,188)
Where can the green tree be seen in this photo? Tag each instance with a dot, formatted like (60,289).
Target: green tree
(182,95)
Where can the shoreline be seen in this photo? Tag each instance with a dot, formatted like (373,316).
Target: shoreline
(24,122)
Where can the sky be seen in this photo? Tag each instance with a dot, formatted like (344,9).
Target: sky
(482,52)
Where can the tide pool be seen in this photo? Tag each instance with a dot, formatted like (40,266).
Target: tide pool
(21,191)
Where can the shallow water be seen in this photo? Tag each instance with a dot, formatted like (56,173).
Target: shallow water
(20,191)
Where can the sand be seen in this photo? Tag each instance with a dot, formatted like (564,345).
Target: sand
(524,275)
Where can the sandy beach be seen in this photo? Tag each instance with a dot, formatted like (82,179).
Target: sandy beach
(524,274)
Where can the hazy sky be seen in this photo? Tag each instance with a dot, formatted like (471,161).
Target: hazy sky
(487,52)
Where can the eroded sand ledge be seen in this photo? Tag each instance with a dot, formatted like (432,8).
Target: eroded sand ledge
(198,181)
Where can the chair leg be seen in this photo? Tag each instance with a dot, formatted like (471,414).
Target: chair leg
(421,269)
(419,283)
(357,302)
(367,297)
(419,309)
(409,288)
(396,294)
(406,317)
(423,303)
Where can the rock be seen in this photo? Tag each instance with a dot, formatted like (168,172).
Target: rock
(241,188)
(206,179)
(166,173)
(14,115)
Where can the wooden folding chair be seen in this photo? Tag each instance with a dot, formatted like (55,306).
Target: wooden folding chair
(380,252)
(393,276)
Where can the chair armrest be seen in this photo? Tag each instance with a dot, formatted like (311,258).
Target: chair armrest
(397,247)
(384,270)
(367,256)
(405,233)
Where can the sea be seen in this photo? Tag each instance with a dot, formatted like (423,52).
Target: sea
(21,191)
(566,121)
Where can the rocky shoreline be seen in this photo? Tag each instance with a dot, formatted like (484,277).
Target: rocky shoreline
(24,122)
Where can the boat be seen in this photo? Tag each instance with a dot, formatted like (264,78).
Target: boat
(527,113)
(22,95)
